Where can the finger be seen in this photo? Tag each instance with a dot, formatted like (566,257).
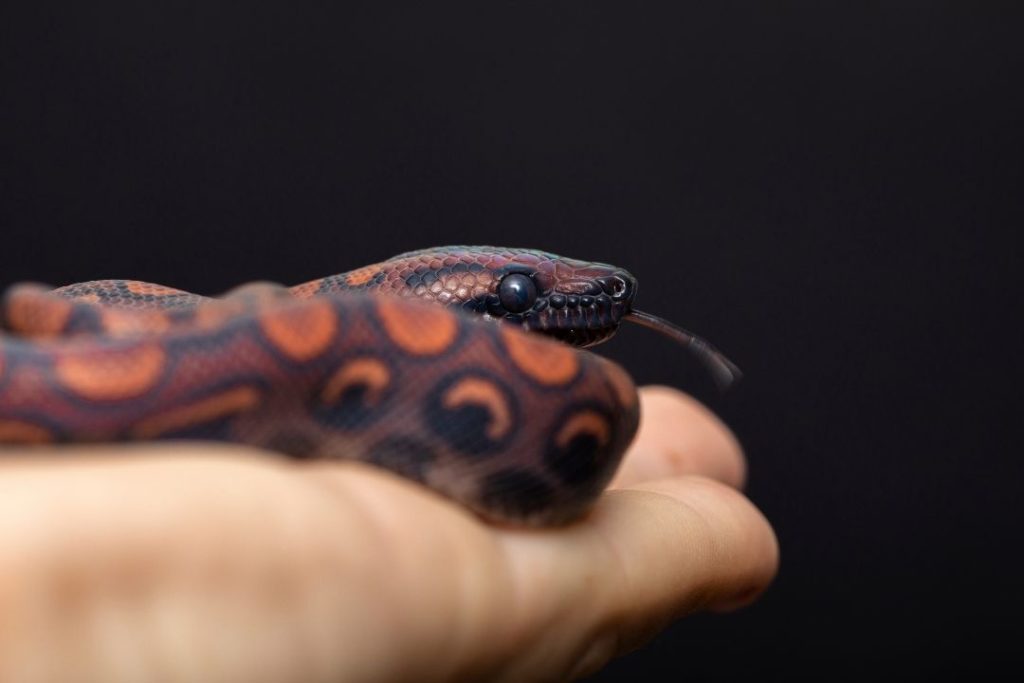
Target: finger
(677,436)
(646,556)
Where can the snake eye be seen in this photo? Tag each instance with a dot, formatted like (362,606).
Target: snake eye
(517,292)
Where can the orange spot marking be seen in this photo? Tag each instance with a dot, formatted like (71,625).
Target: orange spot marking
(368,372)
(545,361)
(581,424)
(122,322)
(416,327)
(38,313)
(112,374)
(91,298)
(482,392)
(16,431)
(150,289)
(301,332)
(361,276)
(233,401)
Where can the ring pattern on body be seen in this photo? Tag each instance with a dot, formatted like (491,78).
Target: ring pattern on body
(580,444)
(474,412)
(426,365)
(355,394)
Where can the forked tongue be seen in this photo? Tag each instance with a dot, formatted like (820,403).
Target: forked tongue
(722,370)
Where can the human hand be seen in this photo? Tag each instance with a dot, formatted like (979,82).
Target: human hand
(208,562)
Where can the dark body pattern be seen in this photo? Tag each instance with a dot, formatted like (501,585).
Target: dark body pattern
(516,427)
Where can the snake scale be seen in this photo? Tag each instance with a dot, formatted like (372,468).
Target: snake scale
(401,364)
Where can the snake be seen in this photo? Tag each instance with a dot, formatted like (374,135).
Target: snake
(462,368)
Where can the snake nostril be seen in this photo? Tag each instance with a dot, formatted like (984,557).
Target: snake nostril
(620,288)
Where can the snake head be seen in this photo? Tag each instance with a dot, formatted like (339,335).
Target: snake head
(578,302)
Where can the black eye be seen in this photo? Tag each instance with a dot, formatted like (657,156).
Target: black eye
(517,292)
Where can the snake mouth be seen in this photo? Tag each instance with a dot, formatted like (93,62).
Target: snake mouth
(580,321)
(723,371)
(582,337)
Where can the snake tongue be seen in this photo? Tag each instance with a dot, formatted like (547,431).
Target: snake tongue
(722,370)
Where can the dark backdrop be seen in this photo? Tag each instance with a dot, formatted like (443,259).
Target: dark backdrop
(830,192)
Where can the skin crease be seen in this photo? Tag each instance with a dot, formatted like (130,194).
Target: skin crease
(215,563)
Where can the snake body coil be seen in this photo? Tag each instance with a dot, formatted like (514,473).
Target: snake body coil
(363,365)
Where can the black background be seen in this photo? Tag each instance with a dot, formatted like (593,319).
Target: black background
(829,192)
